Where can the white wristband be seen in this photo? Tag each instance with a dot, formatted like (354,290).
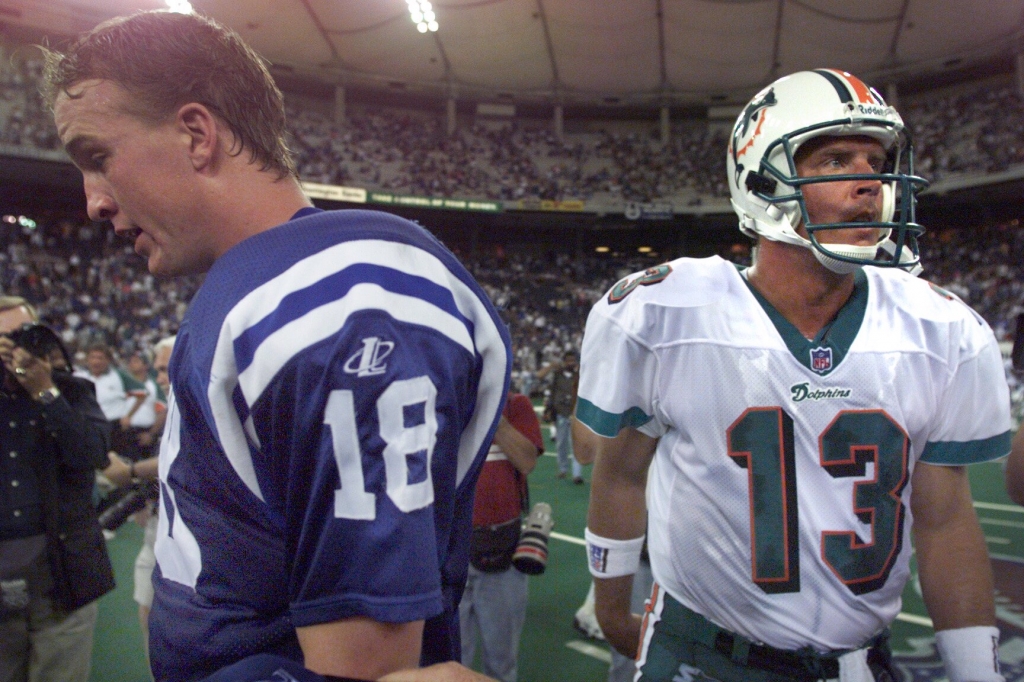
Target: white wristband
(612,558)
(970,654)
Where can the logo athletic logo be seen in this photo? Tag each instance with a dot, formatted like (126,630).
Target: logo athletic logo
(370,360)
(598,558)
(821,359)
(748,127)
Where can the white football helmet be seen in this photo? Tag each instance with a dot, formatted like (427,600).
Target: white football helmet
(766,191)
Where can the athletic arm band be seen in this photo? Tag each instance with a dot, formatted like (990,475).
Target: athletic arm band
(612,558)
(970,654)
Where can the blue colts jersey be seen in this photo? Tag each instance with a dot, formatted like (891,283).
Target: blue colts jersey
(336,383)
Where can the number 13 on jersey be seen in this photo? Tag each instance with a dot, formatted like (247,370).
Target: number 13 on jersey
(761,441)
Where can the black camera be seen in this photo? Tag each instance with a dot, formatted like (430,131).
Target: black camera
(39,340)
(124,502)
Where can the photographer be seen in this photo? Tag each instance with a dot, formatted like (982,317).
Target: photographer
(53,559)
(493,607)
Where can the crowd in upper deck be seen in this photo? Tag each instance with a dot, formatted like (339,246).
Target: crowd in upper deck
(974,131)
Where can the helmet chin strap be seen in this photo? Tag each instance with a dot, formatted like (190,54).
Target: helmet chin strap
(790,219)
(841,267)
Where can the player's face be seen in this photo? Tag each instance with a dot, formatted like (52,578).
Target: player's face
(160,362)
(846,200)
(137,175)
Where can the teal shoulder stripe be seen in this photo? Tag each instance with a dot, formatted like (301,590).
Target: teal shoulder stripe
(608,424)
(966,452)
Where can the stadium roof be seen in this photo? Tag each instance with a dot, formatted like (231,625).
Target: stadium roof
(640,52)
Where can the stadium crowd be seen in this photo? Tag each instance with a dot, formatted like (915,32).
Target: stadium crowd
(405,152)
(91,287)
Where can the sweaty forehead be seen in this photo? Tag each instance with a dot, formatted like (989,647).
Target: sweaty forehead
(85,104)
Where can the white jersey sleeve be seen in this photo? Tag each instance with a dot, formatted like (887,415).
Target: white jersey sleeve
(618,371)
(972,422)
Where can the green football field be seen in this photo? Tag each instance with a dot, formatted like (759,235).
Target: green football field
(552,650)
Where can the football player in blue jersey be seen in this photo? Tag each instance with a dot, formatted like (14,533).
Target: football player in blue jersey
(336,380)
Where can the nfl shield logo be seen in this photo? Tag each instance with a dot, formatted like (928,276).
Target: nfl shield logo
(821,359)
(598,558)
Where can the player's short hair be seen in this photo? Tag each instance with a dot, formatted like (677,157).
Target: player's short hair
(8,302)
(166,60)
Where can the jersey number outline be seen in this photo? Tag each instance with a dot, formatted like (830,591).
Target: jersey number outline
(351,499)
(761,441)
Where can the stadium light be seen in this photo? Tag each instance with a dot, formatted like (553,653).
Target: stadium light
(422,14)
(602,249)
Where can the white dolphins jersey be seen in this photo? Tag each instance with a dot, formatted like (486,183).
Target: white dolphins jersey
(779,496)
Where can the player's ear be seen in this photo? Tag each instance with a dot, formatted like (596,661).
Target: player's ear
(201,131)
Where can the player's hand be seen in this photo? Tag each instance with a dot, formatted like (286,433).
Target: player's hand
(442,672)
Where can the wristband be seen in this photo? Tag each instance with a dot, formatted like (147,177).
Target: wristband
(970,654)
(612,558)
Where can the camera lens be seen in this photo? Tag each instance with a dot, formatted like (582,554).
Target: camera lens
(531,556)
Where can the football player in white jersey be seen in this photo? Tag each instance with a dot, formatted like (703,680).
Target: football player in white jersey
(805,419)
